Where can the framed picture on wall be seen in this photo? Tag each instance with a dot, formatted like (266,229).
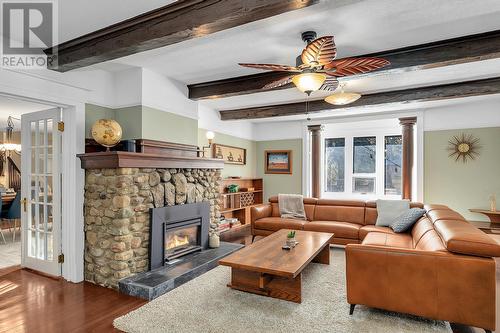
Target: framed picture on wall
(278,162)
(230,154)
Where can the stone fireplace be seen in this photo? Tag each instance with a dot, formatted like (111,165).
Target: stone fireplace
(120,190)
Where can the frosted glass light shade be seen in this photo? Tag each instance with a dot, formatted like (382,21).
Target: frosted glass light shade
(342,98)
(309,82)
(210,135)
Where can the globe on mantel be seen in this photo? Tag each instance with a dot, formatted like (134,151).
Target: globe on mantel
(106,132)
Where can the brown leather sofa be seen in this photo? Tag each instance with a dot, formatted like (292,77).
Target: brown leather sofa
(349,220)
(442,269)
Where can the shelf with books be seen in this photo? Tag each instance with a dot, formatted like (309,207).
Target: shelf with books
(238,204)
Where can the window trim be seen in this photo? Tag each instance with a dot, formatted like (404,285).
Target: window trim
(349,135)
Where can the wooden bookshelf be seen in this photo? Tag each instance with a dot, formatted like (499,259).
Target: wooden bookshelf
(238,204)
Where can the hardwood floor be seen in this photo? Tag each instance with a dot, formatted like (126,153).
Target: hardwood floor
(33,303)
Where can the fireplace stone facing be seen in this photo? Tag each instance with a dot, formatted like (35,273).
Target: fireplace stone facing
(117,214)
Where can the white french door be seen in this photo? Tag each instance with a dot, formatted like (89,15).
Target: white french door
(41,191)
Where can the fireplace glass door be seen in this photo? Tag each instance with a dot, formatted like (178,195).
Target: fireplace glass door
(180,241)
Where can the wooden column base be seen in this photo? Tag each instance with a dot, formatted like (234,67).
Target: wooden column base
(288,289)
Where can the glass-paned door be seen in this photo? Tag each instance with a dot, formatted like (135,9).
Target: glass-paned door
(40,191)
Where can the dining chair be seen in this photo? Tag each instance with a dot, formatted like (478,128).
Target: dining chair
(14,214)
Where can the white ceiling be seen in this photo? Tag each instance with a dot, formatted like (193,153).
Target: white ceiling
(77,17)
(359,27)
(15,108)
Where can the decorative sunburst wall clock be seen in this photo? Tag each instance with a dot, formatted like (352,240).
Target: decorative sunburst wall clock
(464,147)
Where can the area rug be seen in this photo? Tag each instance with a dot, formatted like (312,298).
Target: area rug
(206,304)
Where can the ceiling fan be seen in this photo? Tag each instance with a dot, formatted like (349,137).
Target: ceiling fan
(316,67)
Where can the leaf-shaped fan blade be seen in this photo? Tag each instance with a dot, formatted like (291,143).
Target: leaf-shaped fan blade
(272,67)
(319,52)
(279,83)
(353,66)
(330,84)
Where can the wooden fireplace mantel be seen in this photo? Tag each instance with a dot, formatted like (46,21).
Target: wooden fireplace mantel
(121,159)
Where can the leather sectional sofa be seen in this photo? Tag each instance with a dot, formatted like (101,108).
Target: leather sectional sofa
(349,220)
(442,269)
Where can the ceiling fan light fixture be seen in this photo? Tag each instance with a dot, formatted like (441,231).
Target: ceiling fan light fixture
(342,98)
(309,82)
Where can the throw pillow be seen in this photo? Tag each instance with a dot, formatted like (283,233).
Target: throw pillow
(406,220)
(388,210)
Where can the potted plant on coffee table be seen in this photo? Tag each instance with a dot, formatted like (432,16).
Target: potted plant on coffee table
(290,239)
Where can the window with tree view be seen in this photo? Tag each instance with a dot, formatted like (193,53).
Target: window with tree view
(335,163)
(364,164)
(392,164)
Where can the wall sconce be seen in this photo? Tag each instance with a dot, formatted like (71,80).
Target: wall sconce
(210,137)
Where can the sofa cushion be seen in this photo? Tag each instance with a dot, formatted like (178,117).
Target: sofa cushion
(430,241)
(371,211)
(462,237)
(444,214)
(364,230)
(389,240)
(340,229)
(340,210)
(420,228)
(430,207)
(277,223)
(406,220)
(389,210)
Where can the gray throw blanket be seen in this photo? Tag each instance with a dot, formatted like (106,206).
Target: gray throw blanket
(291,206)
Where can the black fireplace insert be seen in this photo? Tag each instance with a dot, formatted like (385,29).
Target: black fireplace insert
(176,231)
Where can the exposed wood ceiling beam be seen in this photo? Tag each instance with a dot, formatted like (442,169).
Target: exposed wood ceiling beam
(432,55)
(422,94)
(174,23)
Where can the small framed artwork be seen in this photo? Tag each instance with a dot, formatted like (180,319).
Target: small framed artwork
(278,161)
(230,154)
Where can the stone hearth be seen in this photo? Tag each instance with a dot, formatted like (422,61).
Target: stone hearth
(117,217)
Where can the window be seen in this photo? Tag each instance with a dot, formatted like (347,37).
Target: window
(335,163)
(362,164)
(364,154)
(392,164)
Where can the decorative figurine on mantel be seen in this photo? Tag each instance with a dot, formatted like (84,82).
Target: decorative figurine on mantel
(106,132)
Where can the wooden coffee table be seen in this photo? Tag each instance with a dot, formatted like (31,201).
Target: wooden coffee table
(264,268)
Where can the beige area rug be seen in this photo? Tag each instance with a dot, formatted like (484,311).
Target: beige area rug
(205,304)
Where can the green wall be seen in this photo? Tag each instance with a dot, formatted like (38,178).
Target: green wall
(95,112)
(248,170)
(146,123)
(458,185)
(130,119)
(275,184)
(166,126)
